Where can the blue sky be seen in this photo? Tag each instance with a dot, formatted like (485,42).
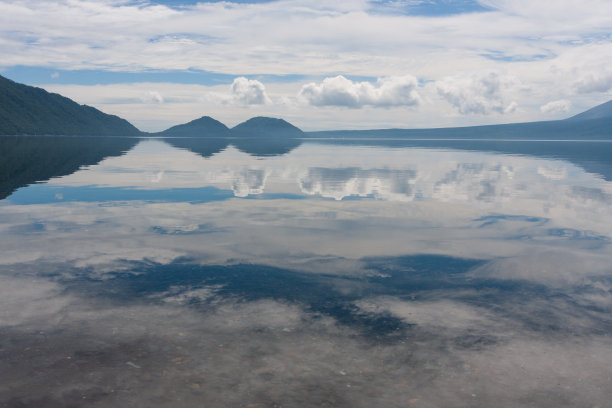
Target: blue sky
(347,64)
(425,8)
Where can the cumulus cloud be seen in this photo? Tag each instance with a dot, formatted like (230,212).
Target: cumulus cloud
(599,82)
(481,94)
(340,91)
(152,97)
(249,92)
(242,92)
(560,106)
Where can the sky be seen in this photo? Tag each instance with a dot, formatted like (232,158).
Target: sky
(348,64)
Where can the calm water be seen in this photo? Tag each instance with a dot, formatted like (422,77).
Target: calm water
(220,273)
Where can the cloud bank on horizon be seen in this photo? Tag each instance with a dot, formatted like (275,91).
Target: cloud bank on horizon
(350,64)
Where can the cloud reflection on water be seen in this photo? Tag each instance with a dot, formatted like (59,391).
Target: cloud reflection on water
(403,277)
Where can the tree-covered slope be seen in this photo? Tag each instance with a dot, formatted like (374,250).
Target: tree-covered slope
(266,127)
(27,110)
(202,127)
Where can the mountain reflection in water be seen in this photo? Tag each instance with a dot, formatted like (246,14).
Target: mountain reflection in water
(185,272)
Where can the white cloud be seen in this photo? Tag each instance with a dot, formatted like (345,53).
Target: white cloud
(152,97)
(560,106)
(565,11)
(477,94)
(249,92)
(55,75)
(287,36)
(340,91)
(594,82)
(554,52)
(243,92)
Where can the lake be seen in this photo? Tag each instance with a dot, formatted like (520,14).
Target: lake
(309,273)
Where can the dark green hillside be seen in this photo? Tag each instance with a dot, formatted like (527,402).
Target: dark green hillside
(202,127)
(27,110)
(266,127)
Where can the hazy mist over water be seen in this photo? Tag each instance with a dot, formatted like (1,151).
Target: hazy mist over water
(183,272)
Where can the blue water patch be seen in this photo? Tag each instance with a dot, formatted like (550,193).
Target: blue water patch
(207,228)
(319,294)
(50,194)
(409,278)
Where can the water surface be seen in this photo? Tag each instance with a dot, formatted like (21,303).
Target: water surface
(363,273)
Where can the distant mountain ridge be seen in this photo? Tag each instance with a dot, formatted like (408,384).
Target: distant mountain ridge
(27,110)
(598,112)
(264,126)
(259,126)
(593,123)
(204,126)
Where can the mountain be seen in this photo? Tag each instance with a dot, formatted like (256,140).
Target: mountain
(27,110)
(258,136)
(552,130)
(598,112)
(258,127)
(266,127)
(595,123)
(202,127)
